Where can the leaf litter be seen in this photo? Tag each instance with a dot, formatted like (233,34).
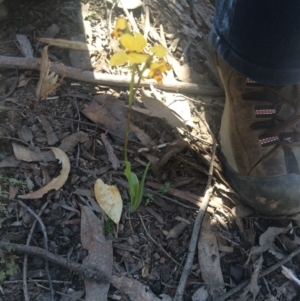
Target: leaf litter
(235,244)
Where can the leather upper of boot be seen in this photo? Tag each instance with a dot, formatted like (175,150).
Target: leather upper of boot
(260,126)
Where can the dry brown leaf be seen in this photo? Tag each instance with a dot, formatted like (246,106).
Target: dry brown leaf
(23,153)
(109,199)
(254,288)
(50,134)
(158,109)
(108,111)
(61,43)
(13,191)
(48,82)
(209,259)
(25,45)
(11,161)
(201,294)
(25,134)
(142,136)
(176,147)
(266,241)
(100,253)
(57,182)
(69,142)
(135,290)
(115,163)
(180,106)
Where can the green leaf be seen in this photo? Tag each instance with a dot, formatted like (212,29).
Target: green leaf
(133,182)
(140,190)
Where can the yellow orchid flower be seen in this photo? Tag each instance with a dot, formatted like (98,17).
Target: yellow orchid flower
(120,58)
(159,51)
(136,43)
(134,50)
(120,28)
(157,69)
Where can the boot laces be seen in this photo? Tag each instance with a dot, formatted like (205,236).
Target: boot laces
(280,130)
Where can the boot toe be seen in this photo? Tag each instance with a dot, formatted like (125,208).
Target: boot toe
(272,196)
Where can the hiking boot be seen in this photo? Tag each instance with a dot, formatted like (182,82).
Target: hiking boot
(260,142)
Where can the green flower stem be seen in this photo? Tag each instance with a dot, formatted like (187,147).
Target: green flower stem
(136,187)
(132,91)
(131,97)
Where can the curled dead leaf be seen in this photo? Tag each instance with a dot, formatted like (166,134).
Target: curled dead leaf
(109,199)
(57,182)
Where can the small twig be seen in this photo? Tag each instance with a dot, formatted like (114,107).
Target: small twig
(45,244)
(25,287)
(262,274)
(78,129)
(196,230)
(156,243)
(211,166)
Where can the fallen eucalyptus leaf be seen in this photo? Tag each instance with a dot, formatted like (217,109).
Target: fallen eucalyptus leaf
(57,182)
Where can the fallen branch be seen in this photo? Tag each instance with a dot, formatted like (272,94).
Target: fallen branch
(134,289)
(106,79)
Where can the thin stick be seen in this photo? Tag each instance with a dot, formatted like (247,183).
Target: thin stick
(156,243)
(124,284)
(107,79)
(25,287)
(192,248)
(196,230)
(45,244)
